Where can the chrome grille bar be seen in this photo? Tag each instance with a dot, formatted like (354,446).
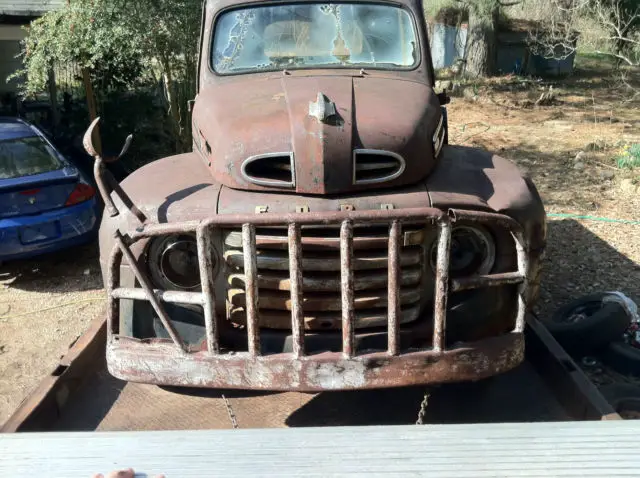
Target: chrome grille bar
(523,269)
(346,219)
(112,283)
(251,286)
(393,313)
(206,262)
(169,296)
(489,280)
(295,276)
(346,258)
(442,285)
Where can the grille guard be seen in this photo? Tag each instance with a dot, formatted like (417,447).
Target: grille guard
(173,364)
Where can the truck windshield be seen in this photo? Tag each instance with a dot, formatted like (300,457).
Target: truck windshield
(314,36)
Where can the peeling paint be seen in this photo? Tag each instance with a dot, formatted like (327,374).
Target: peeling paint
(162,364)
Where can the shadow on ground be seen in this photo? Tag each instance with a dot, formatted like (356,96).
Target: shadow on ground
(517,396)
(70,270)
(578,263)
(107,404)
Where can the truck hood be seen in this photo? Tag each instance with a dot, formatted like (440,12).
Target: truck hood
(273,119)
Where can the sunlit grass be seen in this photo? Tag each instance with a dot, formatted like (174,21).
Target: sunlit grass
(629,158)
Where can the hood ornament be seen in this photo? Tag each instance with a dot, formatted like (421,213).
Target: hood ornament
(322,109)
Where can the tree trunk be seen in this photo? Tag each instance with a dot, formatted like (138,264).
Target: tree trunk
(481,41)
(93,109)
(174,109)
(53,99)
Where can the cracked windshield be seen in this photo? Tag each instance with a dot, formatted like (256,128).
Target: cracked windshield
(314,35)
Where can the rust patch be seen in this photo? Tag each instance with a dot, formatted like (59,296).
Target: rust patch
(160,364)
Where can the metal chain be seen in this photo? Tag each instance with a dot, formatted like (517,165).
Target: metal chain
(423,408)
(232,416)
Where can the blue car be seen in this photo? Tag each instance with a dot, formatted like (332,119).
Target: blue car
(45,202)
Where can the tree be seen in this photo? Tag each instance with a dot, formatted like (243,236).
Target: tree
(169,34)
(124,40)
(480,51)
(619,19)
(85,33)
(481,47)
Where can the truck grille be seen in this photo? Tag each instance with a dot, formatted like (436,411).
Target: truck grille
(321,279)
(359,254)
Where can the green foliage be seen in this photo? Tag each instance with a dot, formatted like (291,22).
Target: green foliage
(630,156)
(125,46)
(168,32)
(432,8)
(85,32)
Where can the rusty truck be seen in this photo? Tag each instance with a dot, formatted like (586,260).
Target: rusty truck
(322,234)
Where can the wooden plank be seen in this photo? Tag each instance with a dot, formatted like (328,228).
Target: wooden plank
(572,388)
(42,407)
(502,450)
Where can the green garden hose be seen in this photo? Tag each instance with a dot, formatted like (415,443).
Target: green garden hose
(594,218)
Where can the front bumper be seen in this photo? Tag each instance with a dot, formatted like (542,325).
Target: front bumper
(173,362)
(164,364)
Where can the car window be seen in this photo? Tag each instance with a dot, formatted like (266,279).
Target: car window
(311,35)
(26,157)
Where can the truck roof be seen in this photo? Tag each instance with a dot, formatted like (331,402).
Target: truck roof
(220,4)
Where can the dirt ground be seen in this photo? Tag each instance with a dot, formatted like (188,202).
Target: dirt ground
(45,304)
(589,117)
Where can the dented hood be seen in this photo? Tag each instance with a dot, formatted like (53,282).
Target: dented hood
(242,118)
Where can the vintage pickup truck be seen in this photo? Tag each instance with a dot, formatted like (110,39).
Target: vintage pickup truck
(322,235)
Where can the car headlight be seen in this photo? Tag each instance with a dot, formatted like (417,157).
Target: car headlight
(173,262)
(473,252)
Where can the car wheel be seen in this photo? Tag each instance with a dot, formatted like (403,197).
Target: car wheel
(623,358)
(624,398)
(588,324)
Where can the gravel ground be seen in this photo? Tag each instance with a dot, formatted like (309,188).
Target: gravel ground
(582,257)
(45,304)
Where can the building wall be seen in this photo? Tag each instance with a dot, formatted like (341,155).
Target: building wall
(13,13)
(447,44)
(28,7)
(10,36)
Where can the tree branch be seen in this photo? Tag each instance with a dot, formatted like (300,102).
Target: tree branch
(625,39)
(616,55)
(508,4)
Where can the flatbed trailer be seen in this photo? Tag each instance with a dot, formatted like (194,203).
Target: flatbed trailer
(80,395)
(543,418)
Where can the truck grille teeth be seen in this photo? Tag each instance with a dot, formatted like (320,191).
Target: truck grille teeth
(271,170)
(373,166)
(321,279)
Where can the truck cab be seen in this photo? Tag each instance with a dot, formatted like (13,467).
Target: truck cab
(322,234)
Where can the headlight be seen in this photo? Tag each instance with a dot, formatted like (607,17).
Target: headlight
(173,262)
(473,252)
